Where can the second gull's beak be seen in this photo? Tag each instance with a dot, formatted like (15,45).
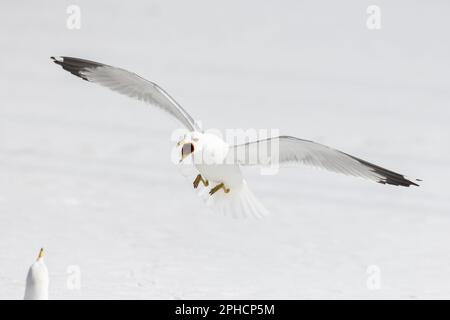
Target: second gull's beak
(41,254)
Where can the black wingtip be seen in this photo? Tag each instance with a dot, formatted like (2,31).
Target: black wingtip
(402,182)
(393,178)
(55,60)
(388,176)
(76,66)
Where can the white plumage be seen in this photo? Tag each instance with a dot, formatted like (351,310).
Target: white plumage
(37,280)
(222,171)
(294,151)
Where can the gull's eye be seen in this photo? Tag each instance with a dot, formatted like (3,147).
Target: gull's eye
(187,149)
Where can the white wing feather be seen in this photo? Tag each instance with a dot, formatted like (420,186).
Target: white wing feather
(290,150)
(127,83)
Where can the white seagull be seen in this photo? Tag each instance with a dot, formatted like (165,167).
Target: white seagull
(221,172)
(37,280)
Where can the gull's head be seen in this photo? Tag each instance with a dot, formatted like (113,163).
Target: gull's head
(37,279)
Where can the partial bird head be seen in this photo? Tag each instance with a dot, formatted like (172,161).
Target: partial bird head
(189,144)
(37,280)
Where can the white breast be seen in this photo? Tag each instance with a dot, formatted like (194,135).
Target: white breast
(209,161)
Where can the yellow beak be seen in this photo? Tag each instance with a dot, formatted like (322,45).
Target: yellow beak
(41,254)
(181,143)
(183,156)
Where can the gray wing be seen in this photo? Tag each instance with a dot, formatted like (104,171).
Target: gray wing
(290,150)
(127,83)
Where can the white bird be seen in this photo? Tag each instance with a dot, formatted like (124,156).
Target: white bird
(217,162)
(37,280)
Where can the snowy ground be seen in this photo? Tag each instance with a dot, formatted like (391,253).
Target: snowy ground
(86,173)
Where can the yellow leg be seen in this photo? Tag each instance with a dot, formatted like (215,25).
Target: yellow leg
(218,187)
(198,179)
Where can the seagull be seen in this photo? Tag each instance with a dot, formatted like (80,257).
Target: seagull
(37,280)
(219,163)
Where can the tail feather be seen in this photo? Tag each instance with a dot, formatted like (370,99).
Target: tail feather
(240,202)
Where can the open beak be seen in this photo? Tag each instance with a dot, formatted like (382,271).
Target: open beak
(180,143)
(186,150)
(183,156)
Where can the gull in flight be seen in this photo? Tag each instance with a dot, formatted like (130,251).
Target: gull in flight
(222,170)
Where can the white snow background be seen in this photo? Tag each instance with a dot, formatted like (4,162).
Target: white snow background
(86,173)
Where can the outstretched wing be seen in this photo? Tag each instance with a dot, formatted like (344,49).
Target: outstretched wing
(287,150)
(127,83)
